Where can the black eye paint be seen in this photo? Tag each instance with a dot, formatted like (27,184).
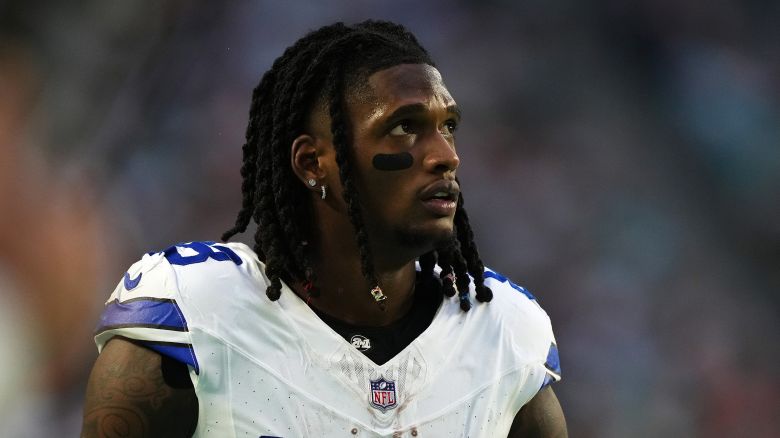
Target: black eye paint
(392,162)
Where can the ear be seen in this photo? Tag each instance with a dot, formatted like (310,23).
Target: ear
(305,159)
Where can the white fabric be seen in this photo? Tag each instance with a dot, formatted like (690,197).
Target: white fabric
(275,369)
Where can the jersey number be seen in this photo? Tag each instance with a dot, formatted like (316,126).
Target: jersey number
(199,252)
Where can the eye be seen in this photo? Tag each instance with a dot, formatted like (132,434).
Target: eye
(403,127)
(450,126)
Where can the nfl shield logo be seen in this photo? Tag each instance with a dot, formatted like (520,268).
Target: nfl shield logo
(383,394)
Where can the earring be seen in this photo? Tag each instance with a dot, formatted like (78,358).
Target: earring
(312,182)
(324,193)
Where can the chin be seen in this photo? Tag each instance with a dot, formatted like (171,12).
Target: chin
(426,240)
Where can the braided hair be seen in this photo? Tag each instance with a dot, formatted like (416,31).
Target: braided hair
(322,67)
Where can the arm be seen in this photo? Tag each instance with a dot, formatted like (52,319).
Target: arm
(135,392)
(542,417)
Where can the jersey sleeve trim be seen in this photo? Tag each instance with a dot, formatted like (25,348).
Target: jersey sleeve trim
(156,323)
(159,313)
(176,344)
(552,366)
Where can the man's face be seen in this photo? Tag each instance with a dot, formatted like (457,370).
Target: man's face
(405,161)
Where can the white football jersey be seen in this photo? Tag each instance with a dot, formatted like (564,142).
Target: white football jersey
(264,368)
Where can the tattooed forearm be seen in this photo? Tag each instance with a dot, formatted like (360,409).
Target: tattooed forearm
(115,421)
(127,396)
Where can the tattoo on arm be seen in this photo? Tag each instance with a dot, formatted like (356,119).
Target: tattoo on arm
(127,396)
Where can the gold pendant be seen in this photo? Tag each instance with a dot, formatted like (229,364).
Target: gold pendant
(378,295)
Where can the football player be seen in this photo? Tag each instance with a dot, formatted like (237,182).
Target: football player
(364,308)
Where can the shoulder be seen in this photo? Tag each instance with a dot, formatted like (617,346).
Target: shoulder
(155,275)
(204,265)
(530,326)
(185,269)
(193,257)
(516,303)
(162,296)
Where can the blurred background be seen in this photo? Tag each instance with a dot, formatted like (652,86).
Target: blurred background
(621,159)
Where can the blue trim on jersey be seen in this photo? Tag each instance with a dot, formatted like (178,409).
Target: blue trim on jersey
(132,283)
(495,275)
(553,364)
(180,352)
(142,312)
(203,251)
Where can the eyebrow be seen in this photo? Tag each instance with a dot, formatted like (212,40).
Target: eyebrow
(417,108)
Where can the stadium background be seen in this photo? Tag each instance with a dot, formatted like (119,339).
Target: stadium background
(621,159)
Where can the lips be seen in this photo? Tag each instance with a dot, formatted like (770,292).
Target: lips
(441,197)
(442,189)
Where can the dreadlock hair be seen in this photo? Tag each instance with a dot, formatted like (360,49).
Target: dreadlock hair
(322,68)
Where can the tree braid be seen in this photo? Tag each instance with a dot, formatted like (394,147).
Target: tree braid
(462,280)
(447,274)
(257,130)
(341,140)
(470,253)
(248,166)
(324,67)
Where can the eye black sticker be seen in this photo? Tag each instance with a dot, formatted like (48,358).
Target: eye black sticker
(391,162)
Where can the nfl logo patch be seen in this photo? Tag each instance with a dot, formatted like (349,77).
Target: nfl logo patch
(383,394)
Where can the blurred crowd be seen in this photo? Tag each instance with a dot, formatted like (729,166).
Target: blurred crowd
(621,159)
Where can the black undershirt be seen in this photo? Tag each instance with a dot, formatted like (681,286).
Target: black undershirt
(381,344)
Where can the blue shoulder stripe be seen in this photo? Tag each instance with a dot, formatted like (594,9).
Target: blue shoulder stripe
(142,312)
(495,275)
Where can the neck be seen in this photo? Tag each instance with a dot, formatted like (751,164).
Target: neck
(345,294)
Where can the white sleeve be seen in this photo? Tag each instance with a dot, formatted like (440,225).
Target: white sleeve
(533,321)
(144,307)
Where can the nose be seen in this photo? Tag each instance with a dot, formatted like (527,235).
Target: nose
(440,154)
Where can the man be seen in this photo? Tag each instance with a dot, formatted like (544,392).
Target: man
(341,321)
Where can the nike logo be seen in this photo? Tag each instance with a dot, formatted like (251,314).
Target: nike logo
(132,283)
